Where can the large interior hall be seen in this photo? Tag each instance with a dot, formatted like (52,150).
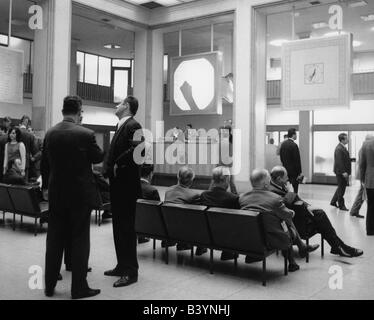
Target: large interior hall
(186,149)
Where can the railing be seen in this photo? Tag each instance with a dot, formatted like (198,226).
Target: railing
(94,92)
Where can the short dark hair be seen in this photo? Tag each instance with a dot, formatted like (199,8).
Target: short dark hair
(133,104)
(3,128)
(25,118)
(72,105)
(271,141)
(18,134)
(342,136)
(291,132)
(146,170)
(278,171)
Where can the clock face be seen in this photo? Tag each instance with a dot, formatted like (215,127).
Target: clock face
(314,73)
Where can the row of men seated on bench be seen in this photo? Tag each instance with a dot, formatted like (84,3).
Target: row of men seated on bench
(269,195)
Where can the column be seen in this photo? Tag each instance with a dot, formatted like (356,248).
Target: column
(306,143)
(51,82)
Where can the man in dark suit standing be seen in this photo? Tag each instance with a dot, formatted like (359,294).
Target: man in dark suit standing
(367,179)
(68,154)
(30,143)
(342,170)
(290,158)
(124,177)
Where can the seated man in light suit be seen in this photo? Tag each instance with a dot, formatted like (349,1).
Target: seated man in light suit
(182,194)
(277,218)
(316,218)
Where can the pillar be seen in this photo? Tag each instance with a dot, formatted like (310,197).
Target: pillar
(51,82)
(306,143)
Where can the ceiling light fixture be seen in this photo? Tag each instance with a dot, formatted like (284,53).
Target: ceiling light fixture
(319,25)
(369,17)
(112,46)
(359,3)
(278,42)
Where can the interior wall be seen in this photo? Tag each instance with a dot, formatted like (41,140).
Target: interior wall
(16,111)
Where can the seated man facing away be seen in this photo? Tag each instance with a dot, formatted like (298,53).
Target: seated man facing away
(149,192)
(14,173)
(277,217)
(218,196)
(182,194)
(316,218)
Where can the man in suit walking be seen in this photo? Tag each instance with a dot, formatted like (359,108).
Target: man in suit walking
(68,154)
(290,158)
(367,179)
(124,177)
(342,170)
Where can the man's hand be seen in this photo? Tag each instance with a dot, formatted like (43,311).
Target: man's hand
(45,194)
(115,170)
(345,175)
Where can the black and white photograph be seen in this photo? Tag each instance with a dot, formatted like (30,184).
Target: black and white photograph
(181,155)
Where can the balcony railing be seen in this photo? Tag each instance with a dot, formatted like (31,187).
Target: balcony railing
(27,82)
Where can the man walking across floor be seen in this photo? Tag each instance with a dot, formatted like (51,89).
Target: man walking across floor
(68,154)
(367,179)
(125,189)
(342,170)
(290,158)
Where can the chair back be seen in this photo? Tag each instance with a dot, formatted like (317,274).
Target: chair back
(148,219)
(5,200)
(25,200)
(236,229)
(187,223)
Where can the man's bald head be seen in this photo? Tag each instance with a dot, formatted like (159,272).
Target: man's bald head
(260,179)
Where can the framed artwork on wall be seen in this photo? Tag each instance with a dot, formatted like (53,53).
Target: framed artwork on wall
(316,73)
(195,84)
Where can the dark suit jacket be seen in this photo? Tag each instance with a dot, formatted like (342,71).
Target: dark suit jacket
(182,195)
(122,149)
(68,154)
(367,164)
(12,176)
(3,142)
(149,192)
(30,145)
(342,160)
(218,197)
(290,157)
(274,213)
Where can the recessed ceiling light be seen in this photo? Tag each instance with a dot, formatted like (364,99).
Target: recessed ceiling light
(359,3)
(319,25)
(357,43)
(314,3)
(112,46)
(369,17)
(334,33)
(278,42)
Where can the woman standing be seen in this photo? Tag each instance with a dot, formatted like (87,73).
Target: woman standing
(14,149)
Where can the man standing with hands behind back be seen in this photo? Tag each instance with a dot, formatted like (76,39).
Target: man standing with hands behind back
(68,154)
(342,170)
(125,189)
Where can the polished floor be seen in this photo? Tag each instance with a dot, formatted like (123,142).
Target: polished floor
(186,279)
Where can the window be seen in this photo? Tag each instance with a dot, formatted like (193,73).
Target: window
(80,63)
(91,69)
(104,72)
(121,63)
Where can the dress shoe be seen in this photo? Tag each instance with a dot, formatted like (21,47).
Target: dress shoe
(225,256)
(86,294)
(293,267)
(357,215)
(334,204)
(182,247)
(125,281)
(352,251)
(142,240)
(49,292)
(340,251)
(59,277)
(309,248)
(343,208)
(113,273)
(200,251)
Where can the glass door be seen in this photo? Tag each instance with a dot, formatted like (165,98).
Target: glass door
(121,81)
